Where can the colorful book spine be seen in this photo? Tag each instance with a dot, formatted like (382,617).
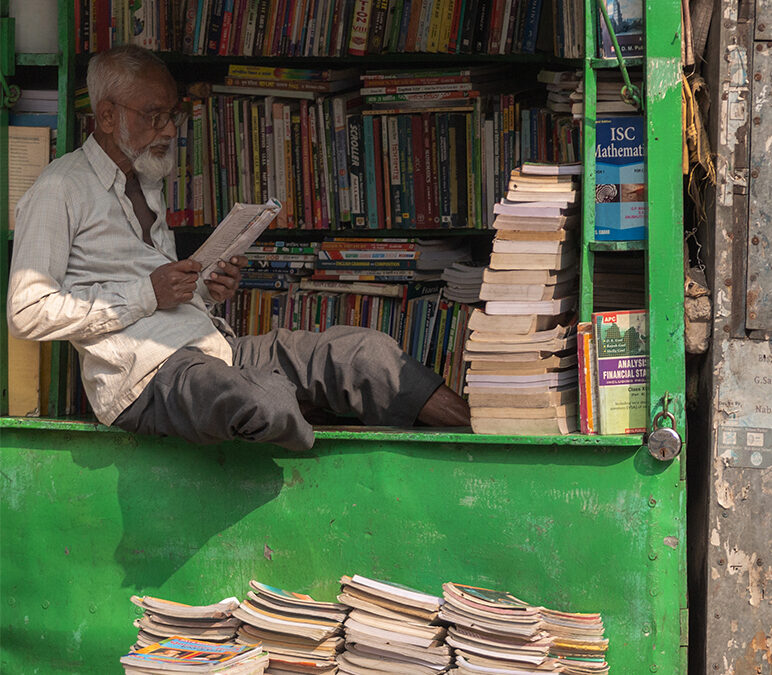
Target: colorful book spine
(588,389)
(622,354)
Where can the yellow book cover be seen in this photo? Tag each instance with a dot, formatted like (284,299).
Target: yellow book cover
(622,354)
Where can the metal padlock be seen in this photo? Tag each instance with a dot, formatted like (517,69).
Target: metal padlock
(664,442)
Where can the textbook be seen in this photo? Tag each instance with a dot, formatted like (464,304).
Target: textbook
(235,234)
(620,179)
(622,355)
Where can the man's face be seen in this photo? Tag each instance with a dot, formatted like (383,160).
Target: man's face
(140,132)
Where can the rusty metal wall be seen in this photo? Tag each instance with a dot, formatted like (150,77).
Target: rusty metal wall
(735,539)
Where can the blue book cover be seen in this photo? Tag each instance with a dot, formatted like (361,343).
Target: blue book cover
(620,179)
(627,21)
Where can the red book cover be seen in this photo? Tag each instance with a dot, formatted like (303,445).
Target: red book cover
(497,18)
(419,172)
(412,26)
(315,168)
(102,26)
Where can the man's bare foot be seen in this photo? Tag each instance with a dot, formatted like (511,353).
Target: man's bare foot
(445,408)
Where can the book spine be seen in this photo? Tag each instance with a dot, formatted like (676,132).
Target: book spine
(254,127)
(369,169)
(215,27)
(482,25)
(289,174)
(585,349)
(443,168)
(225,32)
(327,183)
(360,22)
(316,170)
(404,171)
(299,194)
(419,170)
(377,26)
(395,179)
(358,215)
(342,168)
(308,214)
(376,167)
(262,27)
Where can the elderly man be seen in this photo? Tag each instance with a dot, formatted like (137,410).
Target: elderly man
(95,263)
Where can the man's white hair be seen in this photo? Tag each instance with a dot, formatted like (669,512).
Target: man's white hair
(115,71)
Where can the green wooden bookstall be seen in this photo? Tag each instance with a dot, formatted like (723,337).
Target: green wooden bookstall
(90,515)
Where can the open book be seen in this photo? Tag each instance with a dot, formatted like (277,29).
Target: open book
(235,233)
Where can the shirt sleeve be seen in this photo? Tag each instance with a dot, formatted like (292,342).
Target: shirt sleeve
(39,308)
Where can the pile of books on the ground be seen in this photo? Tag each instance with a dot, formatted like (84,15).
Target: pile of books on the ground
(385,259)
(435,88)
(182,655)
(250,80)
(391,629)
(274,265)
(301,635)
(522,351)
(463,281)
(164,618)
(495,632)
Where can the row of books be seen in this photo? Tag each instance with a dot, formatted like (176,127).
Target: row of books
(373,626)
(426,326)
(522,374)
(332,27)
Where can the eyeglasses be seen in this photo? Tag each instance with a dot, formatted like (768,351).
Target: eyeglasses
(159,120)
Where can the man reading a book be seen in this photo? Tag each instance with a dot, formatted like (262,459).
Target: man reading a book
(95,263)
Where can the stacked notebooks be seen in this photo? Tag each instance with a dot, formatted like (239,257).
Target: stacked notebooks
(180,655)
(301,635)
(391,629)
(494,632)
(522,350)
(164,618)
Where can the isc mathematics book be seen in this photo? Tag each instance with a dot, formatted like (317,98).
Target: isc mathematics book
(620,179)
(622,354)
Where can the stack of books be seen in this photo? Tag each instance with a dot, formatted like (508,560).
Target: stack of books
(274,265)
(522,349)
(608,95)
(164,618)
(492,631)
(437,88)
(495,632)
(391,629)
(302,635)
(560,86)
(181,655)
(463,281)
(308,83)
(385,259)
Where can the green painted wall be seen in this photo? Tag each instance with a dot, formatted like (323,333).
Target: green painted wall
(88,518)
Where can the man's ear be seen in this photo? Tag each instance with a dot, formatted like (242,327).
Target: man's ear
(106,116)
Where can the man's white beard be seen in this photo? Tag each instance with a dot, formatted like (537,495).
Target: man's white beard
(144,162)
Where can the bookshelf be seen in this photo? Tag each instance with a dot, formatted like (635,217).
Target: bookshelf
(665,311)
(100,514)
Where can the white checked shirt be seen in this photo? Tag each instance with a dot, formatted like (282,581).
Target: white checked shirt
(81,272)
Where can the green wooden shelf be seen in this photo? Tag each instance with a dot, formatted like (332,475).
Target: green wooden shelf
(37,59)
(617,245)
(362,433)
(631,62)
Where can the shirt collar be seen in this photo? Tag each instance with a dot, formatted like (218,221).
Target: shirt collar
(105,168)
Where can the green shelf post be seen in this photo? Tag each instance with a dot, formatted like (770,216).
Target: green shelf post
(7,69)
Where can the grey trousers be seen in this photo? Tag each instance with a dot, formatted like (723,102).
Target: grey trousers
(347,370)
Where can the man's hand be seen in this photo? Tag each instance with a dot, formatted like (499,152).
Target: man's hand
(175,283)
(223,284)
